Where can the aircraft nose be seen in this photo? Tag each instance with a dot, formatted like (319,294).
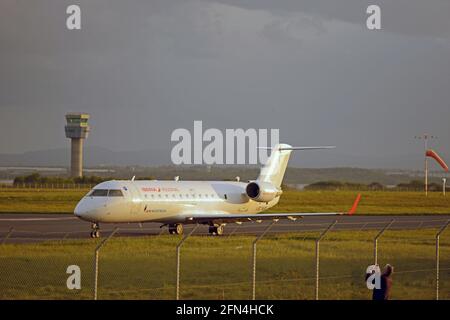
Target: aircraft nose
(90,209)
(80,209)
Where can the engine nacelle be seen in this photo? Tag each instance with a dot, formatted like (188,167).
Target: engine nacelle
(262,191)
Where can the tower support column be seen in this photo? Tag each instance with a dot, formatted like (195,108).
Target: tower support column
(76,158)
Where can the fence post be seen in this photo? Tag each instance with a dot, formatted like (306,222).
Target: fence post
(437,256)
(178,260)
(11,230)
(96,261)
(318,255)
(375,240)
(254,256)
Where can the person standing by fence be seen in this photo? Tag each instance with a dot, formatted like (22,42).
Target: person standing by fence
(384,292)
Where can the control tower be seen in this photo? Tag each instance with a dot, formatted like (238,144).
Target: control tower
(77,129)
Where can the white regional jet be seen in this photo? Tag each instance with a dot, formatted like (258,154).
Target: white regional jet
(174,203)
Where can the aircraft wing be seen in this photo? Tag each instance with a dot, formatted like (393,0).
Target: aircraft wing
(230,217)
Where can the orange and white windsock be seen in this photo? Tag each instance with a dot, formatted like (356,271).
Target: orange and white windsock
(433,154)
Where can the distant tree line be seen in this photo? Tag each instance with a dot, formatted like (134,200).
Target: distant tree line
(419,184)
(414,185)
(339,185)
(36,178)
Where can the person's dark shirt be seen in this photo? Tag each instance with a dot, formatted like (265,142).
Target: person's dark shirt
(384,292)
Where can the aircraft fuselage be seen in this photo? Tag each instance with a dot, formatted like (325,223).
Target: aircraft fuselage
(166,201)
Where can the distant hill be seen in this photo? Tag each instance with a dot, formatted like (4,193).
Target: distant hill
(152,163)
(99,156)
(294,176)
(93,156)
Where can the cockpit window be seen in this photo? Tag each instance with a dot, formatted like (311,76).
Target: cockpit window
(99,193)
(115,193)
(106,193)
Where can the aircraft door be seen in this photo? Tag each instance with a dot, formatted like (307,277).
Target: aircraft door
(135,199)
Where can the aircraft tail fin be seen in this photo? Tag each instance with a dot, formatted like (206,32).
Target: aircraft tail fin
(274,169)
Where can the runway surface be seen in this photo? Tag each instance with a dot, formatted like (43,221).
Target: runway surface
(21,228)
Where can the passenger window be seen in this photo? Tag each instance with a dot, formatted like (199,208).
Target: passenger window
(99,193)
(115,193)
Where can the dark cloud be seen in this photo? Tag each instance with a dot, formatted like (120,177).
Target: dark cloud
(410,17)
(145,68)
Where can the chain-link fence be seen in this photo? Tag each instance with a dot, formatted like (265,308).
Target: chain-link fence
(283,265)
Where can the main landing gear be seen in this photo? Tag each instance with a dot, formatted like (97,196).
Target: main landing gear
(95,231)
(216,230)
(176,228)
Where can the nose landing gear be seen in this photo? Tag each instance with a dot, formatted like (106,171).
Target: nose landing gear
(95,231)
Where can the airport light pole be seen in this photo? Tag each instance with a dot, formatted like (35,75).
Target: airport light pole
(425,138)
(444,181)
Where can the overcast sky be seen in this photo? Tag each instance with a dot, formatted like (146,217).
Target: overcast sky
(310,68)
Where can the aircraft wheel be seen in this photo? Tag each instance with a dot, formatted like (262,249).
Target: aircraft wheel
(97,234)
(176,228)
(179,229)
(216,231)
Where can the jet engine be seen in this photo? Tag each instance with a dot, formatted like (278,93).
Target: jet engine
(262,191)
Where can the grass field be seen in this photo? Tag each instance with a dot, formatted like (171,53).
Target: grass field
(373,202)
(220,268)
(39,200)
